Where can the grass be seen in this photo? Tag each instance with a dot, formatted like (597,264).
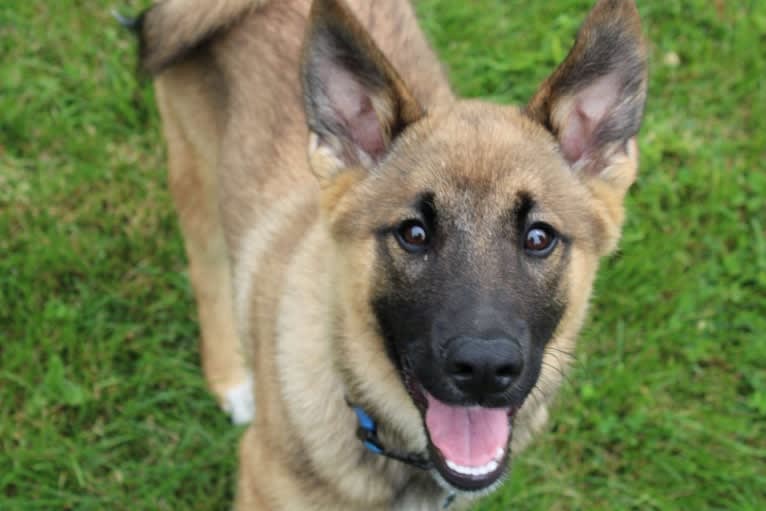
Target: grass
(102,405)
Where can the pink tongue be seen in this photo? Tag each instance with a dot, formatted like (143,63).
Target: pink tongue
(468,436)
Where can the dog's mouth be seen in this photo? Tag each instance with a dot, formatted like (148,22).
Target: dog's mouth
(469,446)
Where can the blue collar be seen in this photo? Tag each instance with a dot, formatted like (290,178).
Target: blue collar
(367,432)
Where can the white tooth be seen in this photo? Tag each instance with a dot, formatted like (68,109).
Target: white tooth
(473,471)
(499,454)
(457,468)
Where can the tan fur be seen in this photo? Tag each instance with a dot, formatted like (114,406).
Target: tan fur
(193,182)
(176,27)
(281,260)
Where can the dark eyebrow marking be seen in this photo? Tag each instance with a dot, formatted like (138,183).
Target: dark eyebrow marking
(425,204)
(521,208)
(425,207)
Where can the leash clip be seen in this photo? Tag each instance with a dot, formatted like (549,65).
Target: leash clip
(367,433)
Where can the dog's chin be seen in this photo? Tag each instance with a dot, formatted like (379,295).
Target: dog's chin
(469,446)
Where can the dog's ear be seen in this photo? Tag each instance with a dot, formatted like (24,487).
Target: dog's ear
(594,101)
(356,104)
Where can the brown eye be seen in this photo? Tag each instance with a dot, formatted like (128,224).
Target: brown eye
(413,236)
(540,240)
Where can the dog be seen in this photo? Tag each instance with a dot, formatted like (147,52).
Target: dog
(397,274)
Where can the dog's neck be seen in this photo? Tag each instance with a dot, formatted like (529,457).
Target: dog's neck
(367,432)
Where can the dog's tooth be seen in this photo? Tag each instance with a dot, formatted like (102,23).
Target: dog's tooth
(489,467)
(483,470)
(500,453)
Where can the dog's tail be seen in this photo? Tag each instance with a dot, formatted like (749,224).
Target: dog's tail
(170,29)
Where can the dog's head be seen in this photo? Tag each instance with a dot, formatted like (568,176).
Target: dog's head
(466,237)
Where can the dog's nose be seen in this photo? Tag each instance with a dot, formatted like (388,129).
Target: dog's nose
(483,367)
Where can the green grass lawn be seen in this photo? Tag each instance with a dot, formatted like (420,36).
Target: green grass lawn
(102,404)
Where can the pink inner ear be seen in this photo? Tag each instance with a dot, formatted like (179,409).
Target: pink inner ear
(589,108)
(353,104)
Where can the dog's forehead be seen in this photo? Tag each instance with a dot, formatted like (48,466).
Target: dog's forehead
(475,162)
(478,158)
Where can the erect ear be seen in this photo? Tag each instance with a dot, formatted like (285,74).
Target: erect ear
(594,101)
(356,104)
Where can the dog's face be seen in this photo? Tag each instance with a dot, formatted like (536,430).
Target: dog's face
(466,239)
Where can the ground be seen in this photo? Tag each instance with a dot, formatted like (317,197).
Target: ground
(102,404)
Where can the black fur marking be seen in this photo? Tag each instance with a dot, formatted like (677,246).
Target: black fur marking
(132,24)
(136,27)
(143,44)
(461,291)
(427,208)
(524,204)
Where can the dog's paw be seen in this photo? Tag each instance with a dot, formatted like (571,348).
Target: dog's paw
(239,402)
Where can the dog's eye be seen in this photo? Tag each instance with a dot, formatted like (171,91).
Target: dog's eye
(540,240)
(413,236)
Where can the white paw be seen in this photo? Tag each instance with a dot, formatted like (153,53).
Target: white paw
(239,402)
